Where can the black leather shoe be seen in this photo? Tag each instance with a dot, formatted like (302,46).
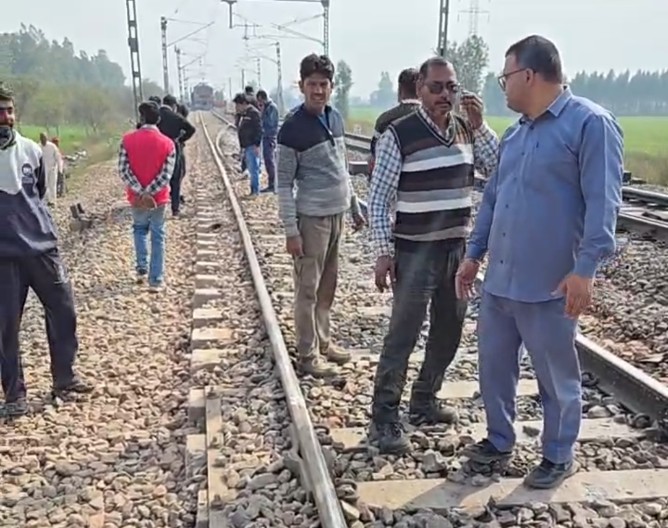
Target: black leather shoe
(548,475)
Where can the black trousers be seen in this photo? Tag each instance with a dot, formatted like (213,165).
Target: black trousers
(177,178)
(183,162)
(425,277)
(46,275)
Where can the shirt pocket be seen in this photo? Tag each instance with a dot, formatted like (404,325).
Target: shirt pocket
(551,162)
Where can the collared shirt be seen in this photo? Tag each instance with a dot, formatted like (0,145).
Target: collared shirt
(130,179)
(386,172)
(551,207)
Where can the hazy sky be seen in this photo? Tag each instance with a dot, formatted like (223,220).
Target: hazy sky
(371,35)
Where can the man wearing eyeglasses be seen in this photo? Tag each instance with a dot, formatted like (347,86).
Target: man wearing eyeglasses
(425,165)
(547,220)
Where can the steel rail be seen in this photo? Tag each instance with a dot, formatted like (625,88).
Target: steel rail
(629,193)
(655,228)
(315,467)
(644,196)
(637,391)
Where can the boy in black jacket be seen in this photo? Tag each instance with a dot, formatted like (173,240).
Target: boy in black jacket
(250,138)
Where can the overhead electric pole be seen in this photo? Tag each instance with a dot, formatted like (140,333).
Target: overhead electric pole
(443,20)
(474,13)
(133,44)
(180,71)
(165,62)
(279,88)
(166,45)
(325,26)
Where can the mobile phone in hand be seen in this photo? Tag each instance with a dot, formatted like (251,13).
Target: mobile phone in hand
(465,98)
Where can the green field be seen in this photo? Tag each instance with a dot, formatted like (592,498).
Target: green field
(72,137)
(99,147)
(646,140)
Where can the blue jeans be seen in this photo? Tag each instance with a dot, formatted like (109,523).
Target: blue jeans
(549,337)
(252,157)
(153,221)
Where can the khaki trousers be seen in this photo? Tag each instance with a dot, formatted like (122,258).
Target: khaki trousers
(315,276)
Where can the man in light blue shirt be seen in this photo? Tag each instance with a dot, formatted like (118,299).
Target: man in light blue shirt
(546,222)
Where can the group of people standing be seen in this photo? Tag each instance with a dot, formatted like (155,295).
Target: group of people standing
(546,222)
(151,164)
(257,121)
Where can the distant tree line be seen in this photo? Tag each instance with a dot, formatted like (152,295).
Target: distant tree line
(469,58)
(642,93)
(54,85)
(625,94)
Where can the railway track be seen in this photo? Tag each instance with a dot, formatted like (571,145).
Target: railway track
(644,211)
(624,476)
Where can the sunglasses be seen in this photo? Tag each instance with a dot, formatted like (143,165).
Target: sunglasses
(438,87)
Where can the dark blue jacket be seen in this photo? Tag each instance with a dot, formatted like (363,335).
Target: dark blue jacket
(26,226)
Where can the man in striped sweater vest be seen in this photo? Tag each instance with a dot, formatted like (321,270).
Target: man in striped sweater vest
(425,165)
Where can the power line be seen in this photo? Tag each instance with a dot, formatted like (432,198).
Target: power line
(325,15)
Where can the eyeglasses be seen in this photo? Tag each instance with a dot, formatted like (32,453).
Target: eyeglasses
(504,78)
(438,87)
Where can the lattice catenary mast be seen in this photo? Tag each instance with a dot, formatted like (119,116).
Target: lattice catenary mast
(474,13)
(133,44)
(443,19)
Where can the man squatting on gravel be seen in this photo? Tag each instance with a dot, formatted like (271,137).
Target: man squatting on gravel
(424,168)
(146,164)
(547,220)
(29,258)
(314,192)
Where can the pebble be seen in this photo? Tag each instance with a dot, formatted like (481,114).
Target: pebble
(117,445)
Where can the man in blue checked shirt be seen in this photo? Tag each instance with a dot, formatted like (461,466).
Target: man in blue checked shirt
(547,221)
(425,165)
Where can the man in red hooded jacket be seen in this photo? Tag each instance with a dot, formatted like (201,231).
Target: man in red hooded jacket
(146,164)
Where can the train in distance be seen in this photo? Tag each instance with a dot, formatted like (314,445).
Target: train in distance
(204,97)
